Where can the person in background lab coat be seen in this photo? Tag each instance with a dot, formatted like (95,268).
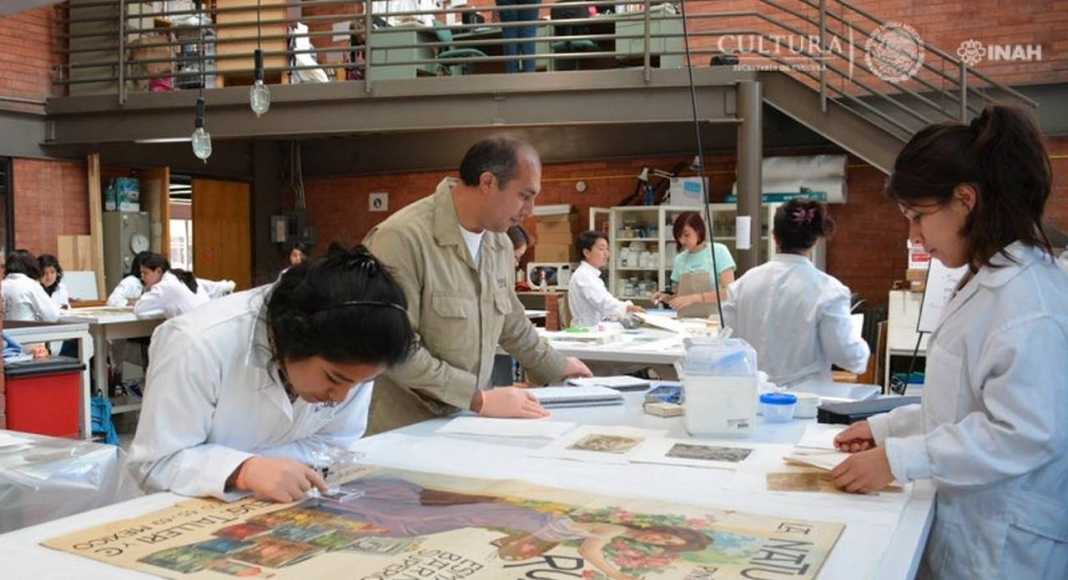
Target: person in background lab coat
(217,288)
(130,287)
(52,280)
(796,317)
(171,292)
(24,297)
(992,431)
(589,299)
(244,392)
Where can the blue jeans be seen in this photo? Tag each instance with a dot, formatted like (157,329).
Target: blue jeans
(511,32)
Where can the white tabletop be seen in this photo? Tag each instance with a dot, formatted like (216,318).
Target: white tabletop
(883,538)
(106,315)
(643,346)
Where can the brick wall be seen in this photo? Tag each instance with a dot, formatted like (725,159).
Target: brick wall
(51,199)
(867,253)
(28,53)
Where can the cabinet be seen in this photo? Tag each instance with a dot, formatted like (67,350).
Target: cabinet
(643,245)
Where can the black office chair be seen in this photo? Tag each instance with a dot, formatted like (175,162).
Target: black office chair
(563,11)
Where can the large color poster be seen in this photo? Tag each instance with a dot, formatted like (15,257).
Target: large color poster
(401,525)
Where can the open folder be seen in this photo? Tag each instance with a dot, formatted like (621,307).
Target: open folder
(588,396)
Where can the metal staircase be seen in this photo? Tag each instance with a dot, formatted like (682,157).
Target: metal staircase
(854,100)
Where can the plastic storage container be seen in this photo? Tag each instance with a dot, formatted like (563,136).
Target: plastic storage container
(44,396)
(719,380)
(778,407)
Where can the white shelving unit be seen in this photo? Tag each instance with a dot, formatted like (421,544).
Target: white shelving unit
(649,229)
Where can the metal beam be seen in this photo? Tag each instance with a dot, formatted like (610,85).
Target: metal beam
(749,169)
(448,103)
(16,6)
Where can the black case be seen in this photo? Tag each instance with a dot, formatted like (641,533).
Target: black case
(848,413)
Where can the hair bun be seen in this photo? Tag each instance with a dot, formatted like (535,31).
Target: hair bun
(357,257)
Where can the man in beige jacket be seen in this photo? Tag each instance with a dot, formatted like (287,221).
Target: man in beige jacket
(451,255)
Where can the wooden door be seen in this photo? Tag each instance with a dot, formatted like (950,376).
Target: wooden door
(156,200)
(222,231)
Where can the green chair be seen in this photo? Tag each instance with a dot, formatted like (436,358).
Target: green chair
(448,52)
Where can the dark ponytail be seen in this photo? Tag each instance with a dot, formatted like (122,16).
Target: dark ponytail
(800,223)
(154,261)
(344,307)
(1002,156)
(187,278)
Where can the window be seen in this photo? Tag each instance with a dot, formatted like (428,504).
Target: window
(182,244)
(7,212)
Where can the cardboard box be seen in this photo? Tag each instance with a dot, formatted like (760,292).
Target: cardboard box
(915,275)
(554,252)
(686,191)
(554,239)
(556,224)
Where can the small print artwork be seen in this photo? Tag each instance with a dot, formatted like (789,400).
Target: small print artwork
(241,531)
(184,559)
(709,452)
(222,545)
(606,443)
(299,533)
(273,553)
(234,569)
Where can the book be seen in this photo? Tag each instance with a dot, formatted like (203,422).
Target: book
(590,396)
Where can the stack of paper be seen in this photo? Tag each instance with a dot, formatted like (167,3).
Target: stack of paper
(619,383)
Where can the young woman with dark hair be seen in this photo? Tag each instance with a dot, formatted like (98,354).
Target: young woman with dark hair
(590,301)
(520,241)
(991,431)
(692,274)
(796,317)
(243,392)
(24,297)
(299,252)
(169,291)
(52,280)
(130,288)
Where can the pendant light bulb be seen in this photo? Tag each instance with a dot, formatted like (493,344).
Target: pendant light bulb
(259,96)
(201,138)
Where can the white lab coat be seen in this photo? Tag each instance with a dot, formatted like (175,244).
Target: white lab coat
(992,429)
(797,319)
(589,299)
(213,399)
(170,297)
(60,296)
(129,288)
(1064,260)
(26,299)
(217,289)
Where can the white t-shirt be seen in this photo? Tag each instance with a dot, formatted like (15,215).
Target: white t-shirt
(474,243)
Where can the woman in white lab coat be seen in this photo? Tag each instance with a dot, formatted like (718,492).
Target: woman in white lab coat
(130,287)
(590,301)
(170,292)
(992,431)
(245,392)
(796,317)
(24,297)
(52,280)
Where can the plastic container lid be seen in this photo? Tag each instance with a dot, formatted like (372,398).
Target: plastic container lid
(778,399)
